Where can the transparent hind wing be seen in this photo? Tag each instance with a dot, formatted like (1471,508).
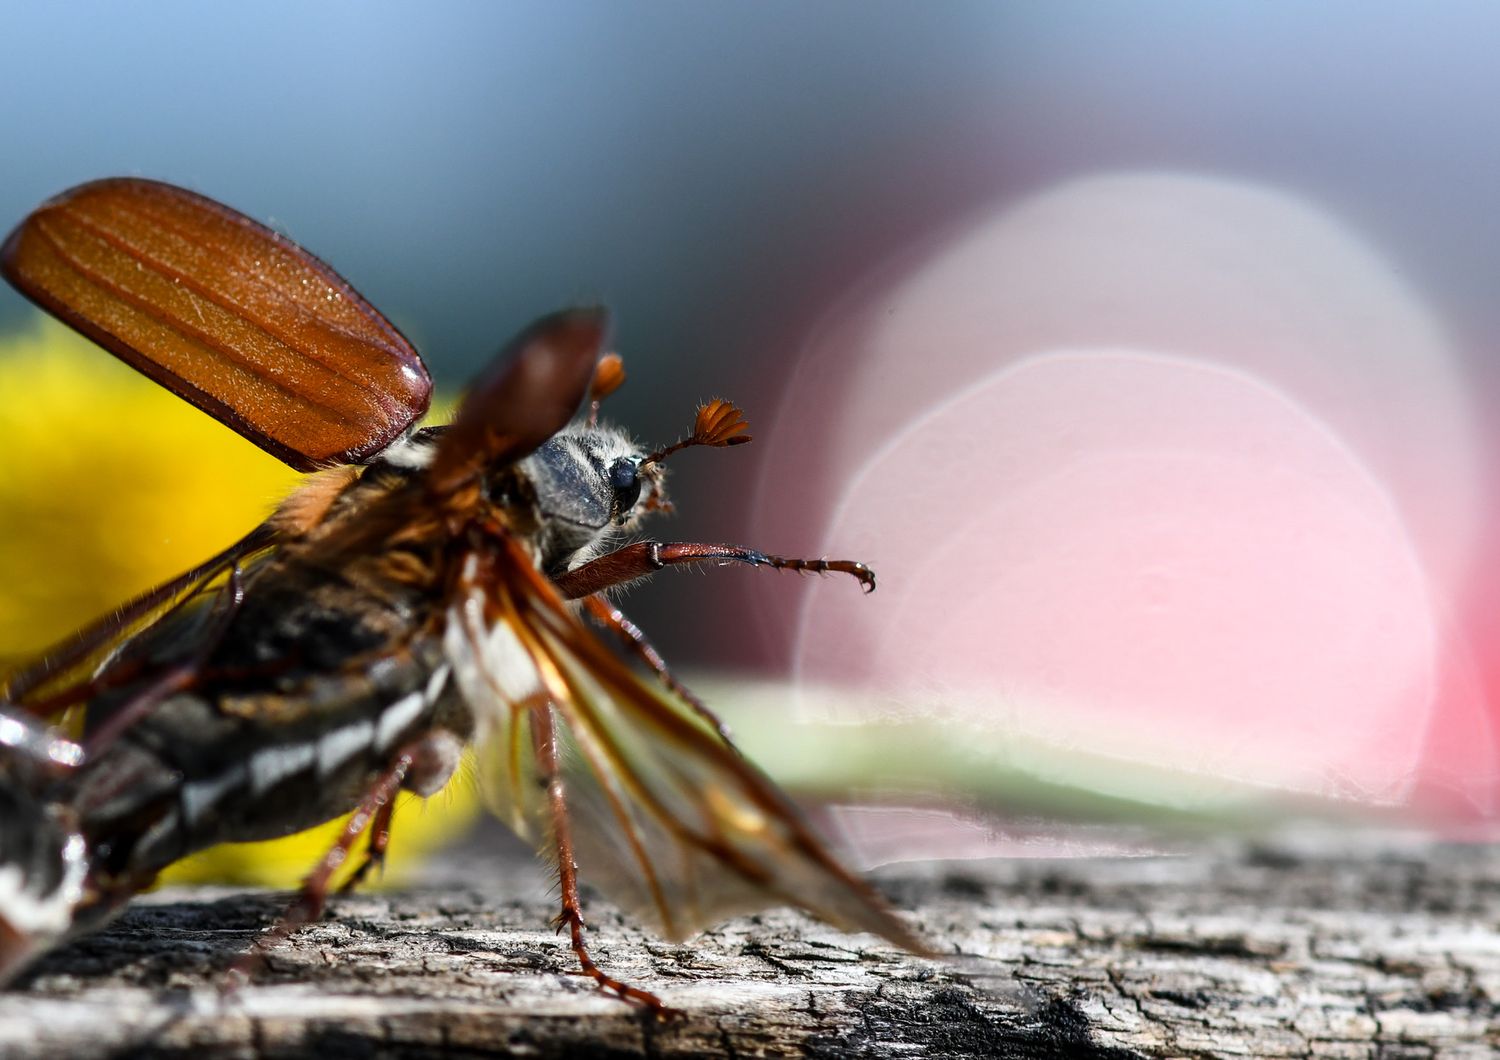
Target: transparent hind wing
(75,669)
(666,818)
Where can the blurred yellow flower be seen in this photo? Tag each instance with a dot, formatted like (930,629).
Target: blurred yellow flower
(111,485)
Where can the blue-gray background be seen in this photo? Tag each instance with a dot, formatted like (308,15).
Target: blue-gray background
(719,174)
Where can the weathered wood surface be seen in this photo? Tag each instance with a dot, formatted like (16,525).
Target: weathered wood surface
(1321,946)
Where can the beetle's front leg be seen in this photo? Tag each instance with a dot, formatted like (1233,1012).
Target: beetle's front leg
(647,557)
(611,617)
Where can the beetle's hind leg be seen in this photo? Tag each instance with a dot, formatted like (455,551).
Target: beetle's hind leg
(380,841)
(308,905)
(571,915)
(422,766)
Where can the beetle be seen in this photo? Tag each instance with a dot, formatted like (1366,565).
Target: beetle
(425,590)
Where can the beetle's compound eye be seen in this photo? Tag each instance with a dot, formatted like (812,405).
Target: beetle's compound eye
(625,480)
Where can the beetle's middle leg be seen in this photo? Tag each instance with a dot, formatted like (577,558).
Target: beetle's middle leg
(567,871)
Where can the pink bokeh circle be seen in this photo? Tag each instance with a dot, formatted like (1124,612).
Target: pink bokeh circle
(1162,466)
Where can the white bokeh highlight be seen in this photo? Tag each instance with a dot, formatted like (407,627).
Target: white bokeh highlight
(1153,556)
